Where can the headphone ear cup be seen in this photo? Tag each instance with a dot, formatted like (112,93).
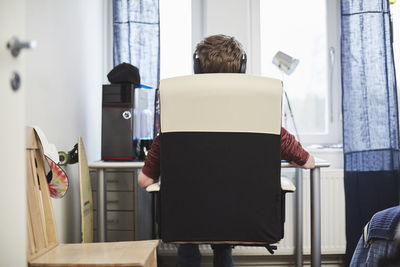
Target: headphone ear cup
(196,64)
(243,63)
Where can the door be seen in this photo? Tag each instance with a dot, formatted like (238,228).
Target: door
(12,145)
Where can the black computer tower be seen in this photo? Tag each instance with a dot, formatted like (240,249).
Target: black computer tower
(117,122)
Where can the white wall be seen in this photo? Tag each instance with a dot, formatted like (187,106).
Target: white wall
(229,17)
(64,79)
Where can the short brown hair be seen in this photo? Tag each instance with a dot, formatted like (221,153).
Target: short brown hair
(219,54)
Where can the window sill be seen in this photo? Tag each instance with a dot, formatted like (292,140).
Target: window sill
(331,153)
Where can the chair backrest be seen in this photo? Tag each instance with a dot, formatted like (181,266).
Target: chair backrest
(220,159)
(42,232)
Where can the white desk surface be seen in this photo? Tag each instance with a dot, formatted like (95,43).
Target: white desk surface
(319,163)
(116,164)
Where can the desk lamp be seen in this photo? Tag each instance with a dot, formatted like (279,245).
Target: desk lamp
(287,65)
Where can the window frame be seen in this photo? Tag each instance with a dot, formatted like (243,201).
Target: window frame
(334,124)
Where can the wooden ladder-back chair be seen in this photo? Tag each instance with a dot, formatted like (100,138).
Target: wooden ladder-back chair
(43,246)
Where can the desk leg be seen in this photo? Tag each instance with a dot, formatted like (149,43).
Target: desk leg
(299,218)
(101,201)
(315,190)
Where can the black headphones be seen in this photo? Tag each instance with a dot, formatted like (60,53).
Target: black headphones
(197,66)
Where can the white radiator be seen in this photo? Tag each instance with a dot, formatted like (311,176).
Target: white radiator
(332,220)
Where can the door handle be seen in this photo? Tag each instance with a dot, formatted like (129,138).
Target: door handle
(15,46)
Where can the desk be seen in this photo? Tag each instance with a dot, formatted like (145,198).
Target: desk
(315,197)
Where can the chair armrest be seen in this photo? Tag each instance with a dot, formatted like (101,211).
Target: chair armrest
(153,188)
(287,185)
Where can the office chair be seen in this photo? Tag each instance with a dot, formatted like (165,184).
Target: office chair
(220,160)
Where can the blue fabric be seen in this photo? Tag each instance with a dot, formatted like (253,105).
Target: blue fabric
(136,27)
(379,242)
(189,255)
(383,224)
(370,114)
(369,256)
(366,193)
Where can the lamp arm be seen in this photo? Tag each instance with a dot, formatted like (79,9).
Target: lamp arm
(292,116)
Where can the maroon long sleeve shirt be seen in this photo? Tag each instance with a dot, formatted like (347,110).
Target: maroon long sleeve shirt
(291,151)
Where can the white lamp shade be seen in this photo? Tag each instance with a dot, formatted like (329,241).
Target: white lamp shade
(285,63)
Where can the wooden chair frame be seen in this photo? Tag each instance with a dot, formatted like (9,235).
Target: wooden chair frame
(43,246)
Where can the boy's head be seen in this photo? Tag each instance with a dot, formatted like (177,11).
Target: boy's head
(219,54)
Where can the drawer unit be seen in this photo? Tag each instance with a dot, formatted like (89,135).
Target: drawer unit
(116,180)
(113,236)
(120,220)
(118,201)
(120,181)
(128,207)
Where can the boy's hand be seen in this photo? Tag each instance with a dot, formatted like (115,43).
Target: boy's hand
(310,163)
(144,180)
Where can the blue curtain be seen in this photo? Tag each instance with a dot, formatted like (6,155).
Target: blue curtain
(370,114)
(136,26)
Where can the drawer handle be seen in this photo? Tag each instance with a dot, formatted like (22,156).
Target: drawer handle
(112,201)
(113,181)
(113,221)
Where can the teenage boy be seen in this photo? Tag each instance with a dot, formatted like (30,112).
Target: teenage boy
(219,54)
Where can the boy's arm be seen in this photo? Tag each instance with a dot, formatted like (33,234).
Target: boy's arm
(151,169)
(292,151)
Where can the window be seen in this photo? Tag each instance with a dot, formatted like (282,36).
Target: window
(308,31)
(175,38)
